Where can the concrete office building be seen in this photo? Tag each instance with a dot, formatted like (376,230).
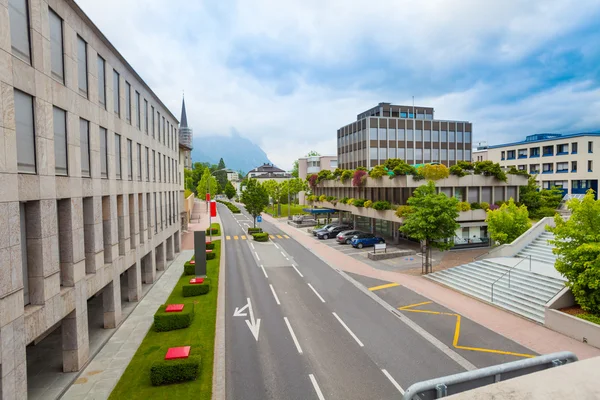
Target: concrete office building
(90,189)
(566,161)
(409,133)
(313,165)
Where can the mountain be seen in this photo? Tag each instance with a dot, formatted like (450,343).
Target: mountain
(238,152)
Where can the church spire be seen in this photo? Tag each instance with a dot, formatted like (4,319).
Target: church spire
(183,121)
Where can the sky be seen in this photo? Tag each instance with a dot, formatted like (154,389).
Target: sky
(287,74)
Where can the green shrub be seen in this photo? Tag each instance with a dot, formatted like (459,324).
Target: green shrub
(542,213)
(350,201)
(210,256)
(210,246)
(489,168)
(231,207)
(381,205)
(358,202)
(164,372)
(485,205)
(347,174)
(261,237)
(187,193)
(344,200)
(254,230)
(377,172)
(475,206)
(322,197)
(463,206)
(169,321)
(457,170)
(330,198)
(311,198)
(324,175)
(590,317)
(403,211)
(191,290)
(214,231)
(189,269)
(368,204)
(499,203)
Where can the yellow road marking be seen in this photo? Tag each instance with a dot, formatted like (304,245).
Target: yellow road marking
(272,237)
(243,237)
(286,236)
(228,237)
(235,237)
(387,285)
(409,307)
(279,237)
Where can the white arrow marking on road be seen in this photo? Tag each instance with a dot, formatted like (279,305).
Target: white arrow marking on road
(253,324)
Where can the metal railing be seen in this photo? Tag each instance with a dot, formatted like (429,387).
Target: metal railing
(457,383)
(508,272)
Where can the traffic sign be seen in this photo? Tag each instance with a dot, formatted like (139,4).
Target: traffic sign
(259,218)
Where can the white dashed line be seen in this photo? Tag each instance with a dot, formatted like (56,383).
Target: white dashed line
(316,386)
(393,381)
(257,257)
(264,271)
(293,335)
(275,295)
(318,295)
(252,245)
(299,273)
(348,329)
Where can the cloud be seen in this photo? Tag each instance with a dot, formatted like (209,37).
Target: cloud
(288,74)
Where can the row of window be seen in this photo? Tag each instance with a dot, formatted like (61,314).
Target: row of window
(547,151)
(410,155)
(21,48)
(26,154)
(548,168)
(406,134)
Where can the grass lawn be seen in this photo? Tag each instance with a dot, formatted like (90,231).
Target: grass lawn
(135,382)
(295,210)
(215,225)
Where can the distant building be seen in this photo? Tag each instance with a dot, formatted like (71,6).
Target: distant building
(566,161)
(479,155)
(269,171)
(313,165)
(185,139)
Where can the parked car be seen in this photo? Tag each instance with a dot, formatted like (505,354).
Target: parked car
(345,237)
(333,231)
(324,228)
(365,239)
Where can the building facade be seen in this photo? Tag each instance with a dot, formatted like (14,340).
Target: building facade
(267,172)
(409,133)
(567,161)
(90,184)
(313,165)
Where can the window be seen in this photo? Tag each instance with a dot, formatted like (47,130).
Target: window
(56,47)
(590,166)
(548,151)
(451,136)
(147,165)
(427,135)
(444,137)
(138,110)
(165,167)
(158,123)
(503,157)
(382,154)
(118,156)
(116,95)
(418,135)
(562,149)
(450,154)
(534,169)
(590,147)
(19,29)
(82,66)
(164,131)
(146,116)
(467,137)
(435,137)
(139,155)
(103,153)
(60,141)
(459,137)
(25,132)
(401,135)
(382,133)
(102,81)
(534,152)
(573,166)
(130,160)
(84,143)
(548,168)
(152,113)
(562,167)
(410,135)
(403,115)
(392,134)
(155,215)
(154,165)
(128,102)
(522,153)
(574,148)
(373,153)
(443,155)
(510,155)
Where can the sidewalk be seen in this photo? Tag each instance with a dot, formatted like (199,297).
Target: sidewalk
(198,222)
(522,331)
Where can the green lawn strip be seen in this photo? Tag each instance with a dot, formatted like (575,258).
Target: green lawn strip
(135,381)
(295,210)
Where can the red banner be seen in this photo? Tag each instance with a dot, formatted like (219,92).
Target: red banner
(213,208)
(207,196)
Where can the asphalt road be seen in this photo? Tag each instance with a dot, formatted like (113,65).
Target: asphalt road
(298,329)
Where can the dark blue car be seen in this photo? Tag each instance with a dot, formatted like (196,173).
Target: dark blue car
(365,239)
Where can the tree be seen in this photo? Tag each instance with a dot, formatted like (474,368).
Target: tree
(255,198)
(273,189)
(295,169)
(530,195)
(552,197)
(229,190)
(508,222)
(577,245)
(431,219)
(221,175)
(313,153)
(202,184)
(189,180)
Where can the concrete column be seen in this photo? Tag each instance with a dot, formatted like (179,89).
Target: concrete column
(134,282)
(93,234)
(122,233)
(177,242)
(170,251)
(111,300)
(149,268)
(75,336)
(71,240)
(13,360)
(160,257)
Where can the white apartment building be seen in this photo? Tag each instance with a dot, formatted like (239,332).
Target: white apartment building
(567,161)
(90,189)
(313,165)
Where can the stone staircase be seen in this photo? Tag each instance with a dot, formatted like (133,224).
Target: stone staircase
(540,249)
(526,294)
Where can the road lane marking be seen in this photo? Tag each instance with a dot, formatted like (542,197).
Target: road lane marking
(272,237)
(409,308)
(393,381)
(257,257)
(316,386)
(293,335)
(318,295)
(243,237)
(299,273)
(228,237)
(276,245)
(264,271)
(279,237)
(252,245)
(235,238)
(388,285)
(275,295)
(348,329)
(286,236)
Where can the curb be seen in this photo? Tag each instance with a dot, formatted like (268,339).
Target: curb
(218,381)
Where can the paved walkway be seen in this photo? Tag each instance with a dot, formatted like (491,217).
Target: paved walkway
(198,222)
(522,331)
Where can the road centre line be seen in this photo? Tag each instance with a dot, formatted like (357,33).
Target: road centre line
(316,386)
(393,381)
(257,257)
(293,335)
(274,294)
(252,245)
(283,254)
(348,329)
(318,295)
(299,273)
(264,271)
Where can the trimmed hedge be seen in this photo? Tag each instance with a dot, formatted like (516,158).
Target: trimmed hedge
(165,372)
(189,290)
(231,207)
(210,256)
(254,230)
(210,246)
(169,321)
(261,237)
(214,231)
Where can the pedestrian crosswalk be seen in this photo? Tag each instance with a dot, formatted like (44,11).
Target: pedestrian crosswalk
(244,237)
